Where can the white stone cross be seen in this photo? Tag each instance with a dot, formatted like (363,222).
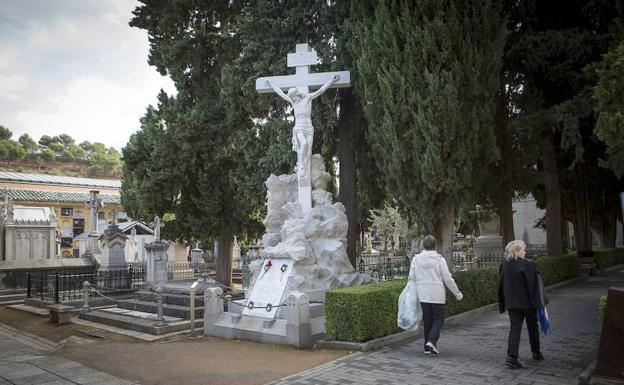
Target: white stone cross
(298,87)
(158,224)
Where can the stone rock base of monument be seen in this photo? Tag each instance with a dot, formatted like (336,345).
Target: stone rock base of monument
(304,255)
(302,323)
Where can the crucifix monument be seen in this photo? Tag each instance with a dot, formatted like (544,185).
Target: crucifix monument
(299,96)
(304,247)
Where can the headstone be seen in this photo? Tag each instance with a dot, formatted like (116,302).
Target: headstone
(197,255)
(489,244)
(610,360)
(113,247)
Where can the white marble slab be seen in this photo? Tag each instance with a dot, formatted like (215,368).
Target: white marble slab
(269,288)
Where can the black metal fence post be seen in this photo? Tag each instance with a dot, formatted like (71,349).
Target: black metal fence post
(56,287)
(41,285)
(29,285)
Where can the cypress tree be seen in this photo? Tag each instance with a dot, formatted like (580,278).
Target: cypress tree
(428,79)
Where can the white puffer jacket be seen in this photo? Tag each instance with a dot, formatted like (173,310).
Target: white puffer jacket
(431,273)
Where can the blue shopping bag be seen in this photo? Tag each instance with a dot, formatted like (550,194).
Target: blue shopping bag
(542,318)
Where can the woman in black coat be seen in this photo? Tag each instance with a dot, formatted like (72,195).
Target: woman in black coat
(519,294)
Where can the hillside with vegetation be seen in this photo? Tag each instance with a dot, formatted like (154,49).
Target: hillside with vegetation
(58,155)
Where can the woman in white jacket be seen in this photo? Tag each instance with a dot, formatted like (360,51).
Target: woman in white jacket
(431,273)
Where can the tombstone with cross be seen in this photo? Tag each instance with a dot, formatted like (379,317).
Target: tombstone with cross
(158,224)
(299,95)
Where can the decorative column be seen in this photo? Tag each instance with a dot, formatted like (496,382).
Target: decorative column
(157,257)
(93,204)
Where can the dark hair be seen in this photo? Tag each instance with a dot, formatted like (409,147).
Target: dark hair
(429,243)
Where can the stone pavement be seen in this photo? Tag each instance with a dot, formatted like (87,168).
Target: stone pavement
(23,360)
(473,351)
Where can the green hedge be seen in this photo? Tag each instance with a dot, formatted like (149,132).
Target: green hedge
(558,269)
(608,257)
(363,313)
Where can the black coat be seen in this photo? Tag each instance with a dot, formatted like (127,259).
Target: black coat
(518,286)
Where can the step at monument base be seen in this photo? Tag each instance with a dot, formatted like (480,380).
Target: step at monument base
(138,321)
(178,311)
(273,331)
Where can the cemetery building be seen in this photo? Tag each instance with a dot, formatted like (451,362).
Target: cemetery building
(65,197)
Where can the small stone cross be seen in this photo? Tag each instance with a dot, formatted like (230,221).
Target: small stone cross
(158,224)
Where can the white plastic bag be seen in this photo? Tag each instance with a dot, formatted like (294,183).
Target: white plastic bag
(410,311)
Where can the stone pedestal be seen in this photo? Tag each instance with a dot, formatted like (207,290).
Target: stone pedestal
(489,245)
(156,262)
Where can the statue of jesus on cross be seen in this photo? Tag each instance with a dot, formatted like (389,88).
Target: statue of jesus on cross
(303,131)
(300,98)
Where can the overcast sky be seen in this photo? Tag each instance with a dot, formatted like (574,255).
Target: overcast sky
(74,67)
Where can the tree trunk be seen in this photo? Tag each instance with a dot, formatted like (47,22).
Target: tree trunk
(443,229)
(608,221)
(504,210)
(553,198)
(504,140)
(565,236)
(582,211)
(348,179)
(224,260)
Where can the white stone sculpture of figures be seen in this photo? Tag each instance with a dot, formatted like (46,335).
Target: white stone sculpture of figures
(303,131)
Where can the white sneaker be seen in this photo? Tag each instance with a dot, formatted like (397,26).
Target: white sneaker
(432,348)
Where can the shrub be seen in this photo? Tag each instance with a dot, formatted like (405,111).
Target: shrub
(363,313)
(608,257)
(558,269)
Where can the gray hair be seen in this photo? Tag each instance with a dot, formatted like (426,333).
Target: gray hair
(511,248)
(429,243)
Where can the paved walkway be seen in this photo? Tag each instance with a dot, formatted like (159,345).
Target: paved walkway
(473,352)
(23,360)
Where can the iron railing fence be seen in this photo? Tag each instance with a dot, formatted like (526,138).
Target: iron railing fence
(66,285)
(384,267)
(185,271)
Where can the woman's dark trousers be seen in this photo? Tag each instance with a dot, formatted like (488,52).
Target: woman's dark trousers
(516,316)
(433,318)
